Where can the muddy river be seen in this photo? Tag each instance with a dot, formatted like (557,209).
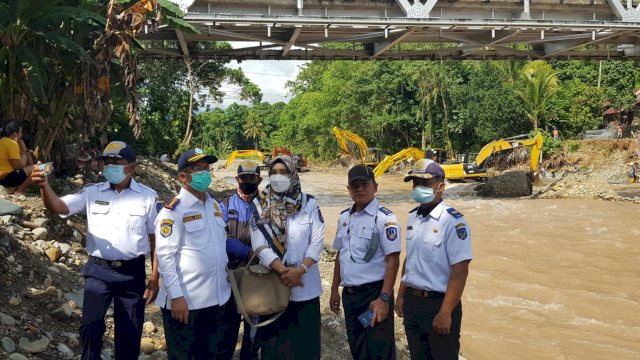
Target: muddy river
(550,279)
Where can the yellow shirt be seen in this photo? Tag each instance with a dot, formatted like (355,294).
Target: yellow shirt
(9,149)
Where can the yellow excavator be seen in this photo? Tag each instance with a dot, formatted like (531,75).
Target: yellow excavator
(244,154)
(478,168)
(354,148)
(390,160)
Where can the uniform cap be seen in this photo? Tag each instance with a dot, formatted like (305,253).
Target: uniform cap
(118,150)
(425,169)
(360,172)
(248,167)
(194,155)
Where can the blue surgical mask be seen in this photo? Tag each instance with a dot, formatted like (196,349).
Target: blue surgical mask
(423,194)
(114,173)
(200,180)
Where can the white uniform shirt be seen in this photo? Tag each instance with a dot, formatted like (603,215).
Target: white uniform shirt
(353,238)
(192,257)
(435,243)
(118,223)
(305,233)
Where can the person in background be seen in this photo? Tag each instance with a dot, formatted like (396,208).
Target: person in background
(242,207)
(292,227)
(435,270)
(120,216)
(195,295)
(16,163)
(368,245)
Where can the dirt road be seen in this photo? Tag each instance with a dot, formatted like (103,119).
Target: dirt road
(550,279)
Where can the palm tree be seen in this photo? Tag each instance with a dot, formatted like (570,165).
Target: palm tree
(539,82)
(254,129)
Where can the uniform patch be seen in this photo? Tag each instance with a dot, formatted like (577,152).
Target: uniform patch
(100,202)
(166,227)
(386,211)
(254,225)
(171,204)
(320,216)
(455,213)
(216,206)
(217,214)
(186,219)
(462,233)
(391,223)
(459,225)
(392,233)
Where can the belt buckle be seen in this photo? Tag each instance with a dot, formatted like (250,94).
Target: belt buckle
(116,264)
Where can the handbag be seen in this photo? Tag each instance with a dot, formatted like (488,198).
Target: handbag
(258,290)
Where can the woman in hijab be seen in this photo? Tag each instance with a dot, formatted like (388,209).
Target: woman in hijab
(292,227)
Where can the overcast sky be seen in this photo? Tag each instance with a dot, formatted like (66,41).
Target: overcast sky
(270,75)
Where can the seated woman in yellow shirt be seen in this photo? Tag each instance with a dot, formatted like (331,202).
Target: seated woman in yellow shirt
(14,159)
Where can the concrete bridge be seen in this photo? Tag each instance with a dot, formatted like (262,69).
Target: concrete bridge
(407,29)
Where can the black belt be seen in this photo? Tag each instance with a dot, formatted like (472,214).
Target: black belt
(425,293)
(362,288)
(114,263)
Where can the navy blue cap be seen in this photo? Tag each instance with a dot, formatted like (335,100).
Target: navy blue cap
(360,172)
(118,150)
(194,155)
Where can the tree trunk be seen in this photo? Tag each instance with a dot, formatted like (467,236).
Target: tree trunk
(423,135)
(447,141)
(188,132)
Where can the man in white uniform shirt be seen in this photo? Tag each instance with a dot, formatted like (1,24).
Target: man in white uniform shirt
(120,217)
(192,258)
(435,269)
(368,244)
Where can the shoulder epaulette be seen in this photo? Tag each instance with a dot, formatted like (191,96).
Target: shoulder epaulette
(148,188)
(414,209)
(171,204)
(455,213)
(345,210)
(385,211)
(311,196)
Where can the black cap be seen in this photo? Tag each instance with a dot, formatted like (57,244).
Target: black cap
(118,150)
(193,155)
(360,172)
(249,167)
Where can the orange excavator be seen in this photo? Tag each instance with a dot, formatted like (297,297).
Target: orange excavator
(300,161)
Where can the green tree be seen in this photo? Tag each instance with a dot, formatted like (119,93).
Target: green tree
(538,84)
(253,129)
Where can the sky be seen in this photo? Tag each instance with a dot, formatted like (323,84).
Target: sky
(270,76)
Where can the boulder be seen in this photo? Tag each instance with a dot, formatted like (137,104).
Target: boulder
(34,346)
(9,208)
(8,345)
(512,184)
(7,320)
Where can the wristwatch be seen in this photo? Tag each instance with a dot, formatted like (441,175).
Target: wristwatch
(305,267)
(384,296)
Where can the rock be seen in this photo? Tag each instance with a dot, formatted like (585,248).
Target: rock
(5,241)
(18,268)
(76,236)
(64,312)
(65,248)
(9,208)
(17,356)
(48,281)
(7,320)
(34,346)
(10,259)
(159,354)
(148,327)
(53,269)
(54,254)
(511,184)
(41,222)
(147,346)
(51,291)
(106,354)
(65,352)
(161,345)
(15,300)
(8,345)
(40,233)
(144,357)
(77,297)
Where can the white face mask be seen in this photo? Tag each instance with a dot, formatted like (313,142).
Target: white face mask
(279,183)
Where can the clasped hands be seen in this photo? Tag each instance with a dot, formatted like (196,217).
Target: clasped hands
(292,276)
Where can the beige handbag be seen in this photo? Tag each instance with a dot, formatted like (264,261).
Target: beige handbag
(258,290)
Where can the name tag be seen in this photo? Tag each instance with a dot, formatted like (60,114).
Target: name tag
(100,202)
(186,219)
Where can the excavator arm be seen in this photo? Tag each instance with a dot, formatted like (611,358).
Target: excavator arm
(344,136)
(243,154)
(512,143)
(390,160)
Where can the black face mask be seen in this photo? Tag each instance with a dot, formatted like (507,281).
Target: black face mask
(248,188)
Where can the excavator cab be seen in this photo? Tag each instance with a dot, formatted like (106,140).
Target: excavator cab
(374,155)
(437,155)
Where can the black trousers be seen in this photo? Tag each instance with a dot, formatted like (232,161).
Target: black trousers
(206,336)
(423,341)
(376,342)
(124,286)
(295,335)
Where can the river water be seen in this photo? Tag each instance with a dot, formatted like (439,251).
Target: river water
(550,279)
